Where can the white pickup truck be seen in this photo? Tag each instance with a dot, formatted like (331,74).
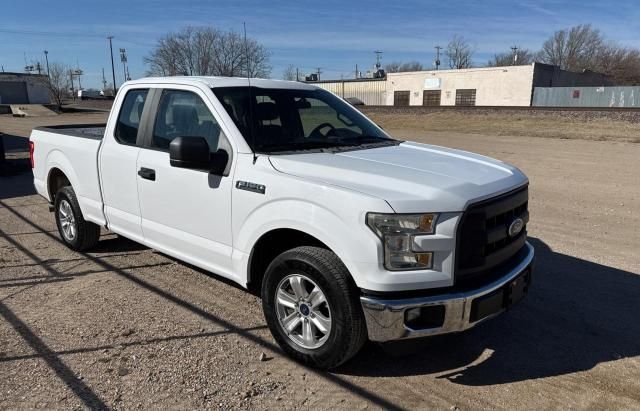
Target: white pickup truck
(289,191)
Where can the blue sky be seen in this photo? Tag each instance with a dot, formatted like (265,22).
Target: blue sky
(334,35)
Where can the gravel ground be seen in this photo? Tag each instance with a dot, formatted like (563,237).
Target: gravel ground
(598,125)
(127,327)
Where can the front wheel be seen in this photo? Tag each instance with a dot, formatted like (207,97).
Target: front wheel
(312,307)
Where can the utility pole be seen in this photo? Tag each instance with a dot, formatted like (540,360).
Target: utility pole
(437,62)
(356,70)
(46,57)
(123,60)
(104,81)
(113,69)
(515,54)
(73,95)
(39,67)
(297,75)
(378,57)
(318,71)
(78,73)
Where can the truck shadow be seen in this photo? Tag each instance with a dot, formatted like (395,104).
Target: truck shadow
(578,314)
(14,153)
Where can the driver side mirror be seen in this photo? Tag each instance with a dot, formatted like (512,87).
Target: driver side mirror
(194,153)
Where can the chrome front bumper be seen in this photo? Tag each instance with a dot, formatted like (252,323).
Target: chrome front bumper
(386,318)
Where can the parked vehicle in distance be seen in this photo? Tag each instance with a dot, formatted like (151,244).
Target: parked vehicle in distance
(288,190)
(91,94)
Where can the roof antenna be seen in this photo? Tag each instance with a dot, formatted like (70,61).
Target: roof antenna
(253,135)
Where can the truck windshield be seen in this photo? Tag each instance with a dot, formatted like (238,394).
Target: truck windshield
(286,120)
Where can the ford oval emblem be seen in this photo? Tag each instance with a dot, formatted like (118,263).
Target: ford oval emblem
(515,227)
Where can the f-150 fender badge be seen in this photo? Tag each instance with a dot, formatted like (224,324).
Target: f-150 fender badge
(254,187)
(515,227)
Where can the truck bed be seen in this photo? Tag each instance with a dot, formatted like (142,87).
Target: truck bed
(92,131)
(73,151)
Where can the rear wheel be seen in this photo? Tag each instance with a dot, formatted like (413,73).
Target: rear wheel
(76,232)
(312,307)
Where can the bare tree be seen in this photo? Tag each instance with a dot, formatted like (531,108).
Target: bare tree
(459,53)
(393,67)
(411,66)
(620,63)
(573,49)
(584,47)
(290,73)
(525,56)
(206,51)
(397,67)
(57,83)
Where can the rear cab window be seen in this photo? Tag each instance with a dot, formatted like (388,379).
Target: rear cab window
(129,118)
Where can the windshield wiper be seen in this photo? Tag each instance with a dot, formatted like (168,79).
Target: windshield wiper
(367,138)
(307,145)
(345,143)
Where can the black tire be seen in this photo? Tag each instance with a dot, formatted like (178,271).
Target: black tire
(86,232)
(348,331)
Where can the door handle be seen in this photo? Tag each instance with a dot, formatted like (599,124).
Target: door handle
(147,173)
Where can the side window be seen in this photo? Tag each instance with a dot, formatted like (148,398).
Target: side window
(129,118)
(183,114)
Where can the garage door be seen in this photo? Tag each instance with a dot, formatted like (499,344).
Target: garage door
(401,98)
(466,97)
(431,98)
(13,92)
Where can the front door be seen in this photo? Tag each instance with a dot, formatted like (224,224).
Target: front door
(185,213)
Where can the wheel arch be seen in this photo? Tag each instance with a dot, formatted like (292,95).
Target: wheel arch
(59,171)
(271,244)
(55,181)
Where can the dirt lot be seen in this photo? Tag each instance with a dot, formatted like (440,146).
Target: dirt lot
(126,327)
(600,125)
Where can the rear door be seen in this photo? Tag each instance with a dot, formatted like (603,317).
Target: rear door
(185,213)
(118,161)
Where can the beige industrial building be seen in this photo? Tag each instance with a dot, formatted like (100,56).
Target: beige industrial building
(23,88)
(491,86)
(485,86)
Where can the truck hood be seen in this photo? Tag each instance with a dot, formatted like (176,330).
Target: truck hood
(411,177)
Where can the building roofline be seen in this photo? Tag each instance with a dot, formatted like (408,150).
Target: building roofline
(11,73)
(346,80)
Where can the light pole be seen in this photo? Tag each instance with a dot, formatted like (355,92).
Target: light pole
(437,62)
(46,57)
(113,69)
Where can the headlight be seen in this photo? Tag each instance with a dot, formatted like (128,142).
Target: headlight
(396,232)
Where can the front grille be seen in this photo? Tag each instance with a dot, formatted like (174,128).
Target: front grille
(483,241)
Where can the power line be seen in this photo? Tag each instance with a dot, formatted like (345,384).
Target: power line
(72,35)
(49,33)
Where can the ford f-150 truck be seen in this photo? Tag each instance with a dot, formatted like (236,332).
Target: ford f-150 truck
(346,233)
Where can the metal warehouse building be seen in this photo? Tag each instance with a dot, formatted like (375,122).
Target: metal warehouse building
(372,92)
(486,86)
(23,88)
